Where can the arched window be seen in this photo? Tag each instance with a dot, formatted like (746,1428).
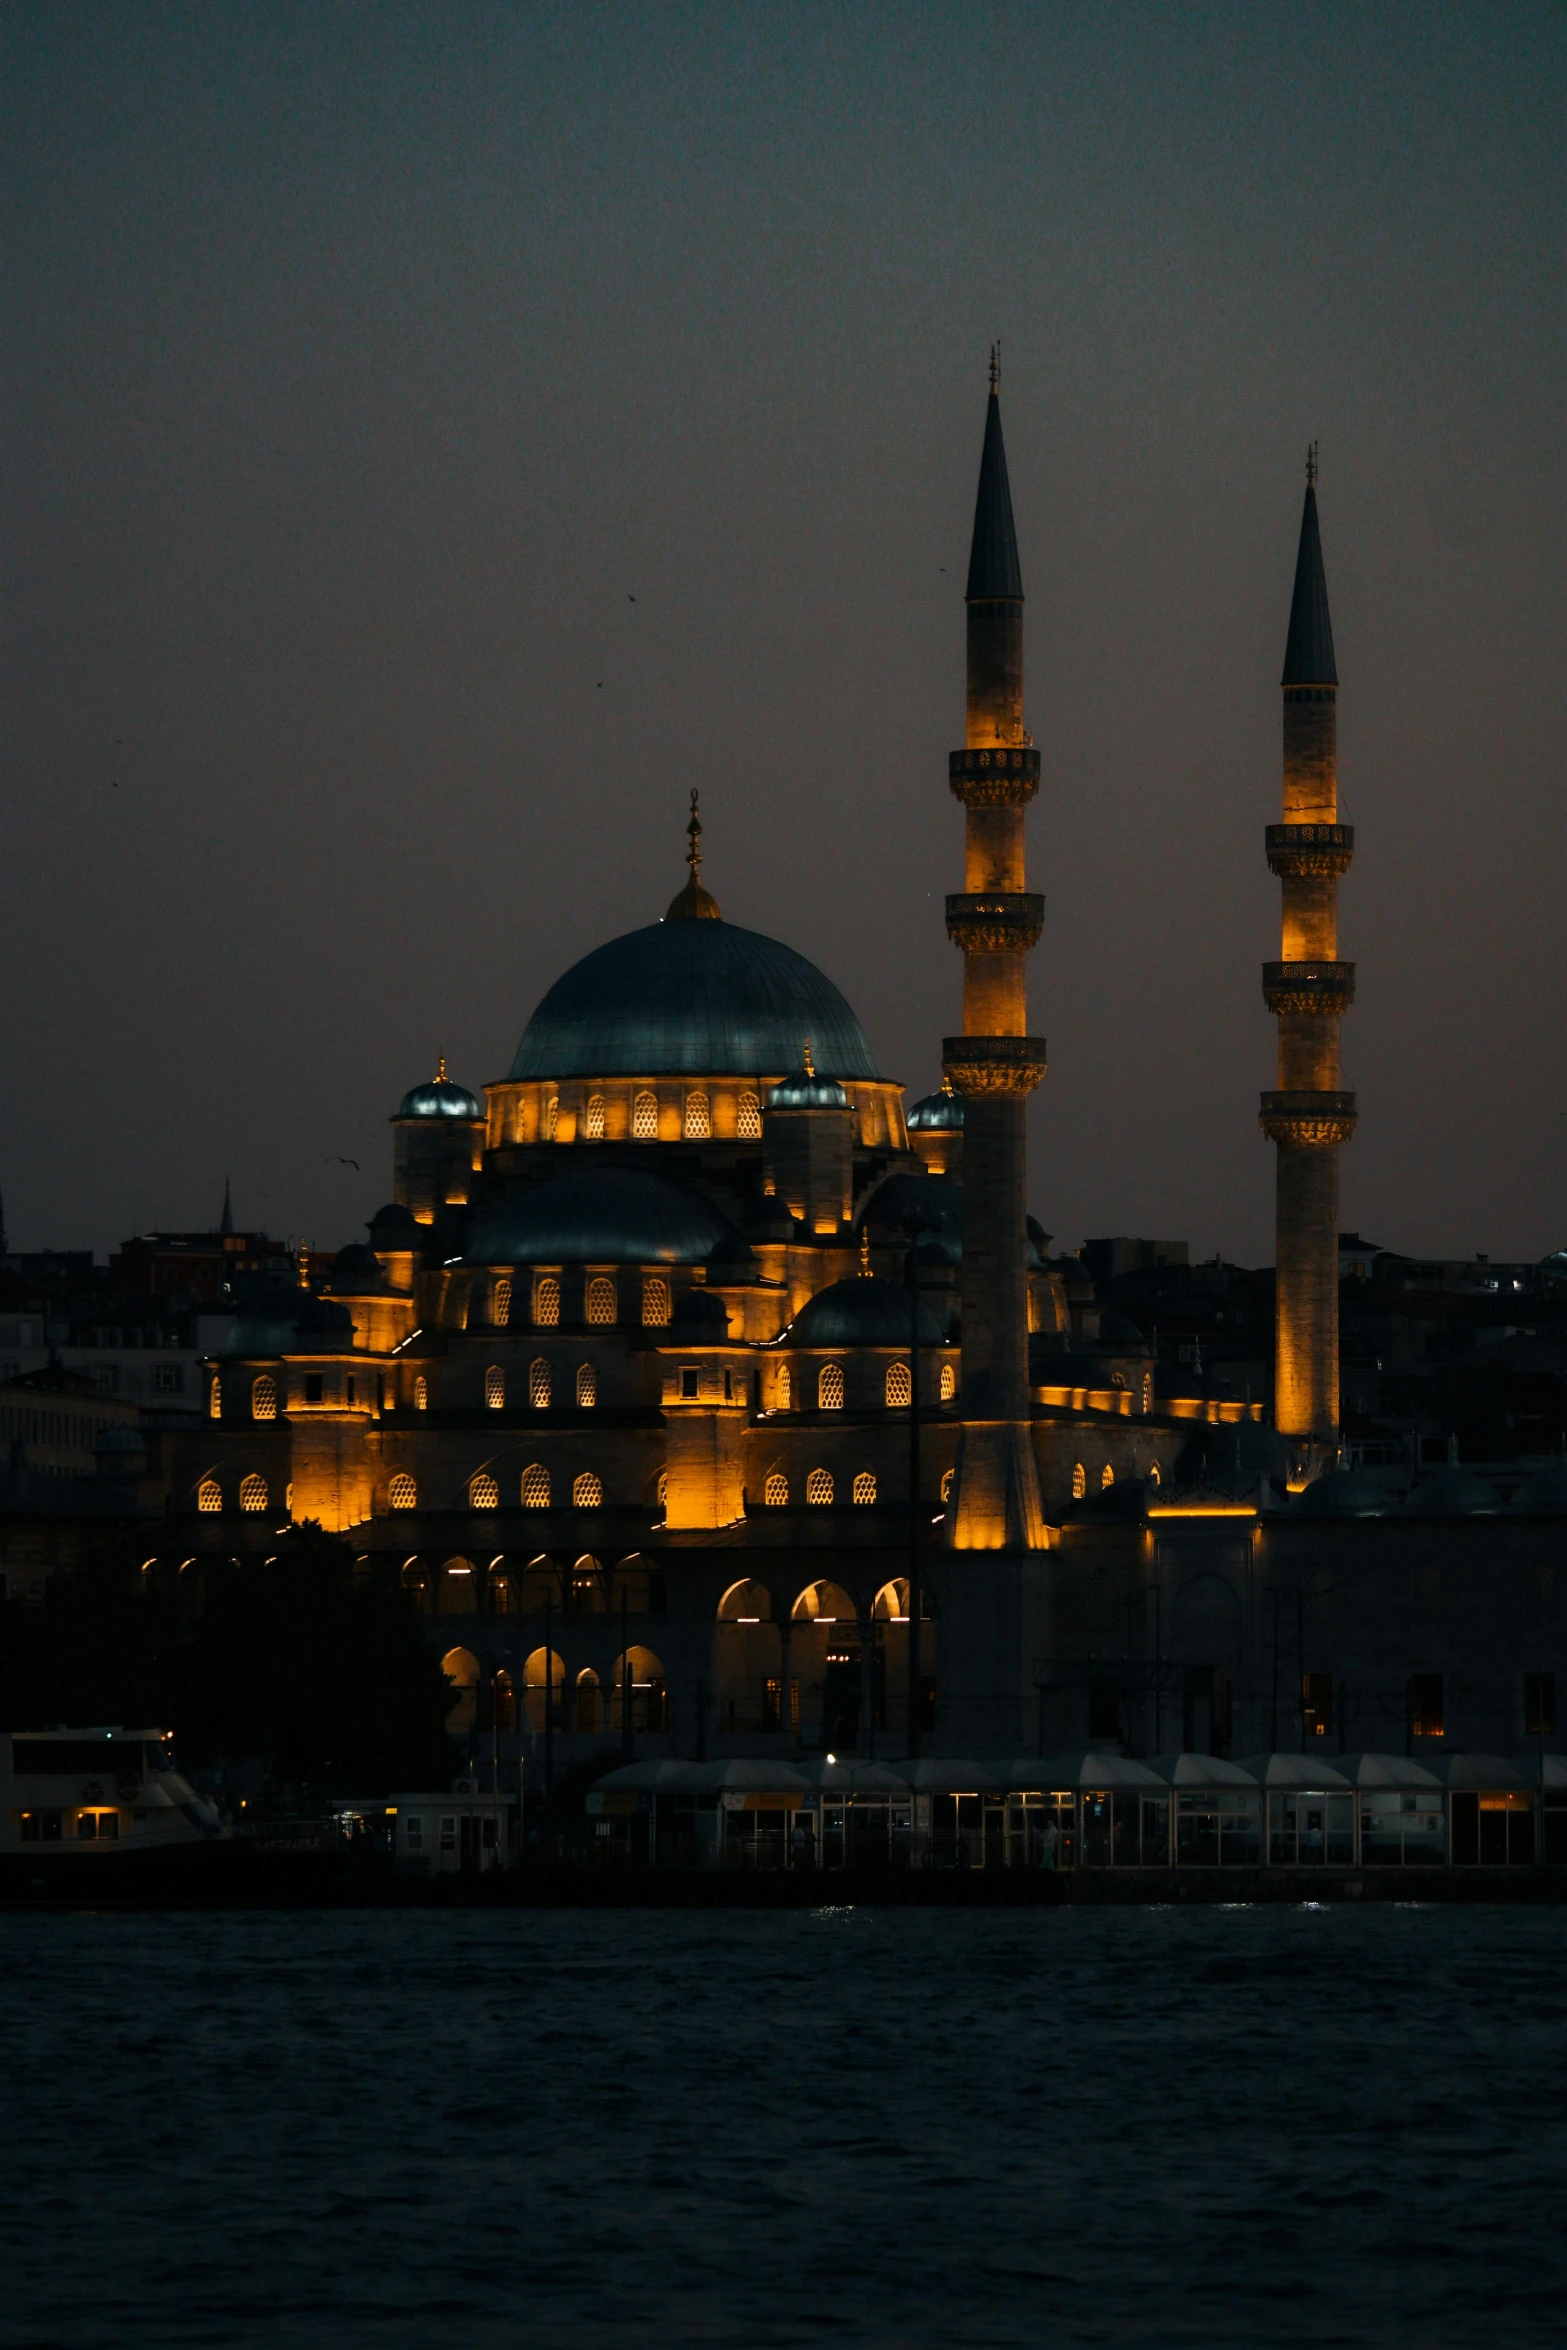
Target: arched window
(551,1117)
(544,1687)
(402,1493)
(776,1491)
(539,1384)
(546,1301)
(649,1699)
(540,1584)
(748,1118)
(505,1698)
(663,1488)
(587,1387)
(263,1399)
(818,1485)
(421,1393)
(644,1118)
(587,1700)
(501,1593)
(593,1122)
(535,1487)
(865,1486)
(829,1387)
(209,1497)
(655,1302)
(783,1388)
(601,1300)
(899,1386)
(587,1492)
(483,1492)
(253,1493)
(1079,1480)
(457,1592)
(949,1382)
(500,1303)
(947,1476)
(461,1668)
(1108,1478)
(215,1400)
(1153,1473)
(587,1587)
(699,1117)
(823,1603)
(495,1388)
(746,1603)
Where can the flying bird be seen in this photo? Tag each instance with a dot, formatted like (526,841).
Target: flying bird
(335,1161)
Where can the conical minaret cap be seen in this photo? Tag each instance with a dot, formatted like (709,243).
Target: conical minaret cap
(993,567)
(1308,649)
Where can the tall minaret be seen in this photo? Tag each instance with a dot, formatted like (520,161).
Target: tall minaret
(995,1064)
(1310,990)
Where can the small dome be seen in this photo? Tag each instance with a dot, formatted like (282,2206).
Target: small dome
(732,1262)
(275,1322)
(865,1310)
(1118,1329)
(357,1272)
(395,1227)
(701,1317)
(805,1090)
(606,1215)
(1451,1493)
(1343,1493)
(937,1113)
(932,1202)
(440,1098)
(1544,1494)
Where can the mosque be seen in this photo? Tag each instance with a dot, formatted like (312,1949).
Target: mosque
(712,1402)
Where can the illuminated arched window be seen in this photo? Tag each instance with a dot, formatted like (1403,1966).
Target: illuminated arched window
(818,1485)
(1153,1473)
(263,1399)
(587,1387)
(587,1492)
(1107,1479)
(500,1303)
(209,1497)
(535,1487)
(483,1493)
(663,1488)
(946,1484)
(899,1386)
(215,1400)
(546,1301)
(601,1300)
(776,1491)
(783,1388)
(1079,1480)
(551,1117)
(865,1486)
(699,1117)
(587,1713)
(253,1493)
(748,1118)
(829,1387)
(421,1393)
(655,1303)
(593,1121)
(539,1385)
(644,1118)
(403,1493)
(949,1382)
(495,1388)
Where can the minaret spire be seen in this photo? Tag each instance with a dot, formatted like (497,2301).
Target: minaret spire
(693,903)
(1308,1115)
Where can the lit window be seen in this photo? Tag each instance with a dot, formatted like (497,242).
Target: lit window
(1079,1480)
(601,1300)
(495,1388)
(748,1118)
(500,1304)
(655,1303)
(587,1492)
(1107,1478)
(949,1382)
(209,1497)
(818,1485)
(483,1493)
(946,1484)
(776,1491)
(539,1385)
(699,1118)
(215,1400)
(1426,1711)
(587,1388)
(403,1493)
(899,1386)
(263,1399)
(253,1493)
(535,1488)
(644,1118)
(865,1486)
(663,1489)
(1153,1473)
(421,1393)
(829,1388)
(551,1115)
(546,1302)
(593,1122)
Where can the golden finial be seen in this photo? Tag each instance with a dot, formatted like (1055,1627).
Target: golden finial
(1311,465)
(809,1065)
(946,1082)
(865,1252)
(440,1070)
(304,1264)
(693,902)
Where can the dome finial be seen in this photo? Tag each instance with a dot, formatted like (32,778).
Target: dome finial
(304,1264)
(694,904)
(440,1069)
(865,1252)
(807,1064)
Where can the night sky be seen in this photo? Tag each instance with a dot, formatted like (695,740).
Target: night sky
(361,365)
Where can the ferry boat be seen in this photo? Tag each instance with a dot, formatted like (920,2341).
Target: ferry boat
(91,1795)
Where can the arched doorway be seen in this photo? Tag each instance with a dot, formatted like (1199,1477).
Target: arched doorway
(648,1692)
(827,1624)
(461,1668)
(543,1670)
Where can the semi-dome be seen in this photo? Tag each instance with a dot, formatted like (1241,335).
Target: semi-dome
(439,1098)
(395,1227)
(865,1310)
(808,1089)
(930,1204)
(356,1272)
(1544,1494)
(1343,1493)
(280,1321)
(691,998)
(937,1113)
(701,1318)
(1451,1493)
(606,1215)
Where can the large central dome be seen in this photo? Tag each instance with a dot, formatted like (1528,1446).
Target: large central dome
(691,999)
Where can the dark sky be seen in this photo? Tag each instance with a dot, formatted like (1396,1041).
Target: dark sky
(361,363)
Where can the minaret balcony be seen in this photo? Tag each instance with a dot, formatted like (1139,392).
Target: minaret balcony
(993,1064)
(996,922)
(1005,777)
(1313,1119)
(1310,852)
(1308,987)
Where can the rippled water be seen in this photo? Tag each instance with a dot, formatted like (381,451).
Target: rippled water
(850,2126)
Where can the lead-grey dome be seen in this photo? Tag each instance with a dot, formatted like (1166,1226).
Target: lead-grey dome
(439,1097)
(1544,1494)
(604,1216)
(691,999)
(865,1310)
(937,1113)
(1450,1493)
(1343,1493)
